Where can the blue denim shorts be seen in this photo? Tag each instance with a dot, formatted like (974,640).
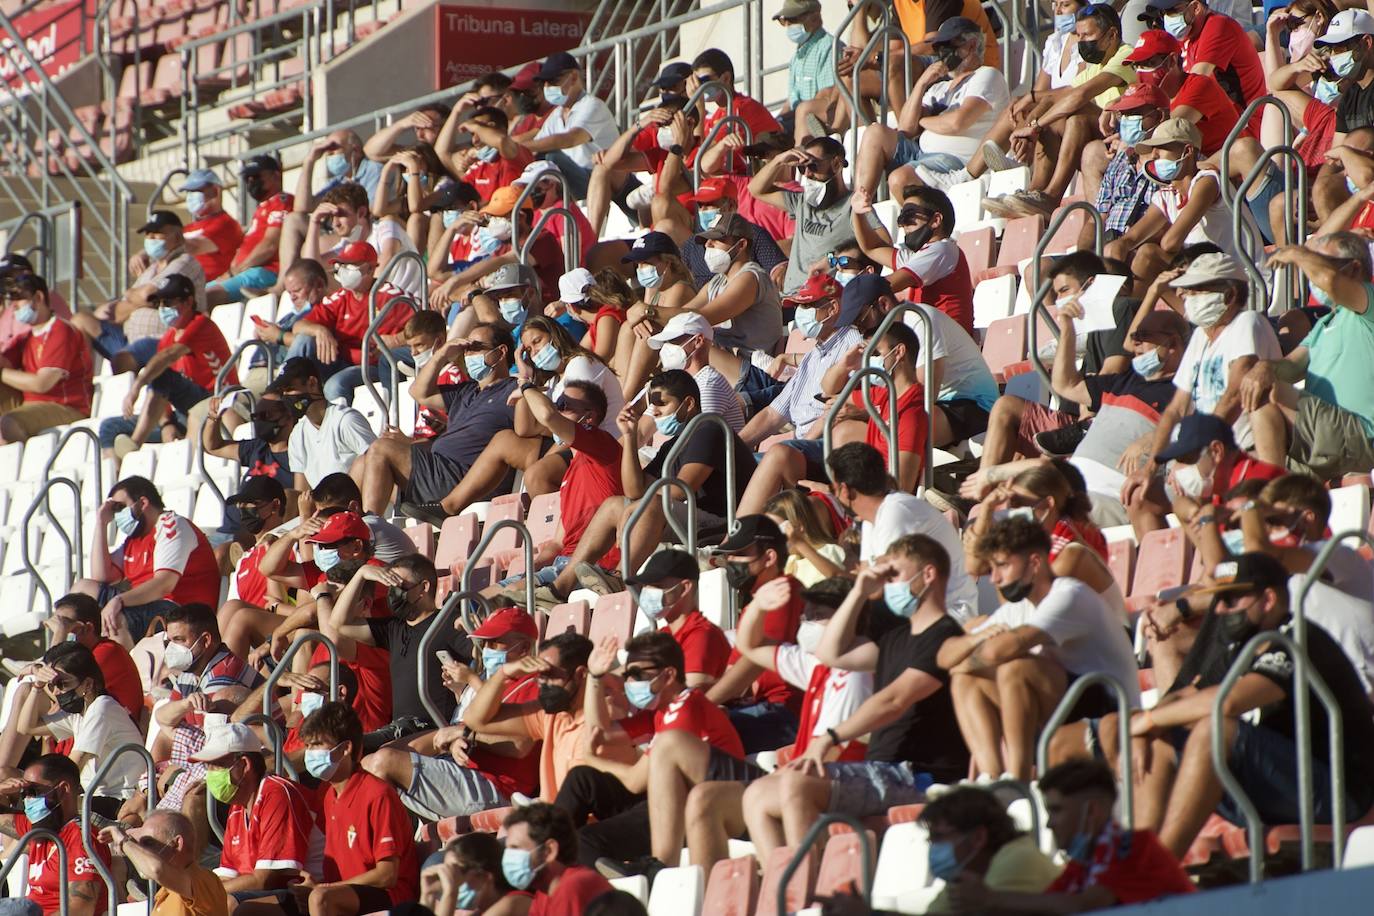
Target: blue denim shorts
(871,787)
(908,152)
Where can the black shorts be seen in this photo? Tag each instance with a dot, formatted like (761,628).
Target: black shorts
(1096,702)
(372,899)
(966,419)
(721,767)
(432,476)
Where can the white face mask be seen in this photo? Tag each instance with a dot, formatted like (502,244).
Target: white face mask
(672,356)
(813,191)
(1192,482)
(349,277)
(177,657)
(717,260)
(499,227)
(665,137)
(809,633)
(1205,309)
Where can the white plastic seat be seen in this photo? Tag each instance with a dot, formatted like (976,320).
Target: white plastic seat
(14,554)
(967,198)
(1349,509)
(886,211)
(265,307)
(229,319)
(678,892)
(635,885)
(111,391)
(902,864)
(715,596)
(208,514)
(37,450)
(173,462)
(11,459)
(1359,848)
(1008,181)
(141,463)
(993,299)
(180,499)
(16,596)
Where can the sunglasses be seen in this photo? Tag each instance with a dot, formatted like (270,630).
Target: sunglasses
(844,261)
(641,673)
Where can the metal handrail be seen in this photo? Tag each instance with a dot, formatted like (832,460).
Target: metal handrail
(44,234)
(21,846)
(488,535)
(572,237)
(106,874)
(565,195)
(700,93)
(1123,732)
(927,371)
(72,432)
(385,277)
(889,431)
(886,32)
(1304,675)
(1227,195)
(1025,791)
(285,665)
(670,466)
(1319,564)
(808,843)
(206,476)
(232,362)
(837,47)
(48,243)
(166,180)
(688,537)
(74,553)
(394,408)
(1042,289)
(452,604)
(277,738)
(1239,206)
(711,138)
(1031,56)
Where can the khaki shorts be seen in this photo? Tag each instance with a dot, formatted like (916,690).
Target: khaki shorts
(1328,441)
(36,416)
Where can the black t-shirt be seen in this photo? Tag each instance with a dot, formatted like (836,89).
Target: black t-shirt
(1208,660)
(1355,108)
(926,734)
(707,446)
(402,640)
(257,460)
(474,416)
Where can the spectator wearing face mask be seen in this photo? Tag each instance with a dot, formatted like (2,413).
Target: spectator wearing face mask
(714,65)
(326,437)
(344,161)
(214,236)
(579,126)
(821,208)
(715,201)
(499,160)
(645,147)
(685,343)
(46,377)
(76,620)
(265,454)
(254,266)
(259,505)
(599,303)
(344,216)
(1216,45)
(547,194)
(498,267)
(453,220)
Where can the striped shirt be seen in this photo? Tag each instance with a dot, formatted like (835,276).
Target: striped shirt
(797,401)
(719,396)
(812,68)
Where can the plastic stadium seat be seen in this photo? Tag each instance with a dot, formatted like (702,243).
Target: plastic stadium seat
(456,539)
(798,344)
(678,891)
(1066,236)
(993,299)
(1004,345)
(543,518)
(1161,561)
(902,864)
(1008,181)
(1350,508)
(1121,561)
(11,458)
(637,886)
(37,450)
(905,814)
(574,616)
(967,199)
(733,888)
(166,83)
(422,536)
(1359,849)
(489,821)
(229,319)
(1018,243)
(208,514)
(798,890)
(841,868)
(614,616)
(978,246)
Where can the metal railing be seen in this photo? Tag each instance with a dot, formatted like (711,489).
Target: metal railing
(391,410)
(1227,194)
(252,343)
(572,236)
(565,195)
(112,887)
(670,464)
(74,554)
(156,200)
(488,535)
(277,738)
(927,371)
(865,374)
(284,666)
(385,277)
(55,252)
(21,846)
(1304,675)
(1042,289)
(1295,228)
(688,537)
(1123,734)
(807,845)
(710,138)
(205,475)
(74,432)
(452,605)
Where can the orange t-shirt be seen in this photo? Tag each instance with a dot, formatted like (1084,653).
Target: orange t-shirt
(918,19)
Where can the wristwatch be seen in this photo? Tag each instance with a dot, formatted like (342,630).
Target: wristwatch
(526,386)
(834,738)
(675,149)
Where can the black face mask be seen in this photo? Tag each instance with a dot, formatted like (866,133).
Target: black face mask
(554,699)
(525,103)
(340,573)
(398,603)
(256,187)
(71,702)
(1091,51)
(740,578)
(250,521)
(267,430)
(298,405)
(1015,591)
(948,56)
(1236,628)
(916,239)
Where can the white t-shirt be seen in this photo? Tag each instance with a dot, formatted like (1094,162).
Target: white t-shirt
(986,83)
(99,731)
(966,374)
(592,115)
(901,514)
(844,691)
(719,396)
(1087,635)
(1346,571)
(407,275)
(343,435)
(1053,56)
(933,262)
(582,369)
(1215,226)
(1205,366)
(1350,622)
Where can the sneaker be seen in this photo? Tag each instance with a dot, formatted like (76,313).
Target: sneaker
(433,513)
(1032,203)
(996,160)
(599,580)
(545,599)
(942,181)
(1000,206)
(647,866)
(949,502)
(1060,443)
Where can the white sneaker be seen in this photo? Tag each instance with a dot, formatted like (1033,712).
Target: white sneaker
(942,180)
(996,159)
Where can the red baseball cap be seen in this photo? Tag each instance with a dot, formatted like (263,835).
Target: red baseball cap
(524,77)
(1153,43)
(816,288)
(342,526)
(356,253)
(506,621)
(709,191)
(1141,96)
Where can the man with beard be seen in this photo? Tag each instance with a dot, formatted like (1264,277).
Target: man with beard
(255,265)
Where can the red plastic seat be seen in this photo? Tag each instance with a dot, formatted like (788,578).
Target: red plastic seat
(1018,243)
(1066,236)
(798,889)
(1121,561)
(1160,563)
(732,888)
(543,518)
(614,616)
(978,246)
(798,344)
(842,864)
(489,821)
(1004,345)
(422,536)
(456,540)
(575,616)
(905,814)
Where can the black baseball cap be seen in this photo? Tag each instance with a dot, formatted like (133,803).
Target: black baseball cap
(451,194)
(751,530)
(159,220)
(669,563)
(955,27)
(1195,432)
(863,290)
(173,286)
(295,371)
(555,65)
(259,489)
(256,164)
(649,245)
(672,74)
(15,263)
(1249,572)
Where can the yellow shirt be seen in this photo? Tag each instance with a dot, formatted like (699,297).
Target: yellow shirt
(207,898)
(1019,866)
(805,572)
(1115,65)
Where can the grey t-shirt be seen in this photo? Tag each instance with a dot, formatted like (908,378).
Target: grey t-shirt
(819,231)
(756,328)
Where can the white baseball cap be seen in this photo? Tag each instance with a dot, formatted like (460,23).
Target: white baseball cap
(538,169)
(223,740)
(572,286)
(1345,25)
(683,324)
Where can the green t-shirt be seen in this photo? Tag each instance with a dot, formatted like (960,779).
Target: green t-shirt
(1340,362)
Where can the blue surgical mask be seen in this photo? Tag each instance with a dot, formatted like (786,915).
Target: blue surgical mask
(547,359)
(512,310)
(707,219)
(796,33)
(493,659)
(647,275)
(1063,23)
(326,558)
(515,863)
(1234,541)
(450,217)
(195,202)
(1327,90)
(476,366)
(555,95)
(486,242)
(155,248)
(336,164)
(668,424)
(943,860)
(320,762)
(126,521)
(640,694)
(1080,847)
(1344,63)
(467,897)
(807,322)
(1176,25)
(168,314)
(1167,169)
(311,701)
(899,599)
(36,809)
(1131,130)
(651,601)
(843,278)
(1147,363)
(876,361)
(488,153)
(26,314)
